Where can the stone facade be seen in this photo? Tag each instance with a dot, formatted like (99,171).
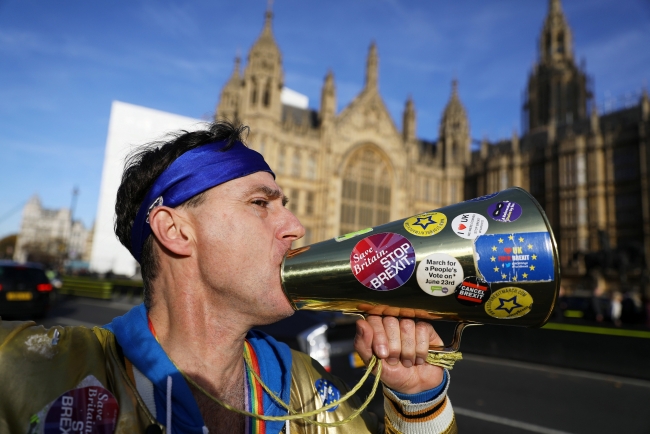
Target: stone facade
(349,170)
(50,233)
(589,172)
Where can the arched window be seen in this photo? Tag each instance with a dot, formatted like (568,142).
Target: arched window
(266,99)
(560,42)
(366,194)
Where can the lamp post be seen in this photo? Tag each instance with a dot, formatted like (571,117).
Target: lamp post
(75,193)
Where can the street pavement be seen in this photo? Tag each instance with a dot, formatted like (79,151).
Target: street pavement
(489,395)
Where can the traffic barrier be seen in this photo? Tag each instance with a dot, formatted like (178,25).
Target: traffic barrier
(87,287)
(127,288)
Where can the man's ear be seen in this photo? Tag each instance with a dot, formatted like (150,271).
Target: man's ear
(171,229)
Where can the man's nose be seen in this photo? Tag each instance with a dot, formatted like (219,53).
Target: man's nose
(292,228)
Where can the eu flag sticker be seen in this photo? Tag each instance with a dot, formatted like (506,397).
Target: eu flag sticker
(515,257)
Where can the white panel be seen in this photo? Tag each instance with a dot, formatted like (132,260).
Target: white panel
(293,98)
(129,127)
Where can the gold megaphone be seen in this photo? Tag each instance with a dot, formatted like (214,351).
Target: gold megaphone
(489,260)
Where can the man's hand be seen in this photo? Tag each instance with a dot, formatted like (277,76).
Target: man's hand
(403,346)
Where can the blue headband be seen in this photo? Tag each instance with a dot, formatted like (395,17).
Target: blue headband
(194,172)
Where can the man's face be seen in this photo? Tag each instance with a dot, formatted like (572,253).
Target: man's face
(243,231)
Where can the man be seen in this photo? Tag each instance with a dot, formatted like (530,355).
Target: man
(206,220)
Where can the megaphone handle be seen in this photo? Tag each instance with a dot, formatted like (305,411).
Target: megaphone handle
(455,343)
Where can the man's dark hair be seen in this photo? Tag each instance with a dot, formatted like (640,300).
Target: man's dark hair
(141,170)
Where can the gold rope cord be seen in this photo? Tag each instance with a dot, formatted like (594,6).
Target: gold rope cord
(444,360)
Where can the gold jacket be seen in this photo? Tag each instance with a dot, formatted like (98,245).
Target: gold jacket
(38,365)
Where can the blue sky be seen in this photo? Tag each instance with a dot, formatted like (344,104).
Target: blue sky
(63,62)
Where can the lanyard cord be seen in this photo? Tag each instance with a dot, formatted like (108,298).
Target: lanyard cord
(292,414)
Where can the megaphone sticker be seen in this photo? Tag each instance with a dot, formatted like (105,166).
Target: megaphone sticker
(515,257)
(473,291)
(438,274)
(510,302)
(426,224)
(383,262)
(469,225)
(505,211)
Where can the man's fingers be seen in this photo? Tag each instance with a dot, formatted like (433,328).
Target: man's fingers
(363,340)
(393,335)
(424,337)
(408,338)
(380,338)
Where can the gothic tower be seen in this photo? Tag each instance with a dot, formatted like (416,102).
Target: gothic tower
(328,100)
(454,140)
(409,121)
(372,68)
(263,77)
(230,99)
(557,90)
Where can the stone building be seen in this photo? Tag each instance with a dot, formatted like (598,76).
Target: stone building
(589,172)
(348,170)
(353,169)
(50,235)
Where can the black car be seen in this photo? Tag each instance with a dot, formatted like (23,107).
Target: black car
(25,290)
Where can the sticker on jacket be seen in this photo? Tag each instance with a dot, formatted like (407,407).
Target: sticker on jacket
(88,408)
(515,257)
(327,392)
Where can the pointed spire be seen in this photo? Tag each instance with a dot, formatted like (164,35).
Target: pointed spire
(328,98)
(329,81)
(594,120)
(237,68)
(266,41)
(408,122)
(515,141)
(372,66)
(555,7)
(454,107)
(268,17)
(555,41)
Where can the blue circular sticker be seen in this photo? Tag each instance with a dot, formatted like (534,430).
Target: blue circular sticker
(328,392)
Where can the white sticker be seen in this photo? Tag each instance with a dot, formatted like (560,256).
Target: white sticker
(438,274)
(469,225)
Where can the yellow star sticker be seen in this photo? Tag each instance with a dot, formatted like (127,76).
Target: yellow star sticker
(500,240)
(521,239)
(534,257)
(532,267)
(514,278)
(493,259)
(494,248)
(496,269)
(503,276)
(510,237)
(530,247)
(525,275)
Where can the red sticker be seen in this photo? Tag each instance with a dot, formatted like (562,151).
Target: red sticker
(87,410)
(383,262)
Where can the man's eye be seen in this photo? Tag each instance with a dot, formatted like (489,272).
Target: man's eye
(261,202)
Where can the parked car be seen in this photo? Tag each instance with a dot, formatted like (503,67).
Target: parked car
(25,290)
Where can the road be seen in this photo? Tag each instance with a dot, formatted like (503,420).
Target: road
(489,395)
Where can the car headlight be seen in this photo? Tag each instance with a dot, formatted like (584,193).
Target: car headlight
(313,341)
